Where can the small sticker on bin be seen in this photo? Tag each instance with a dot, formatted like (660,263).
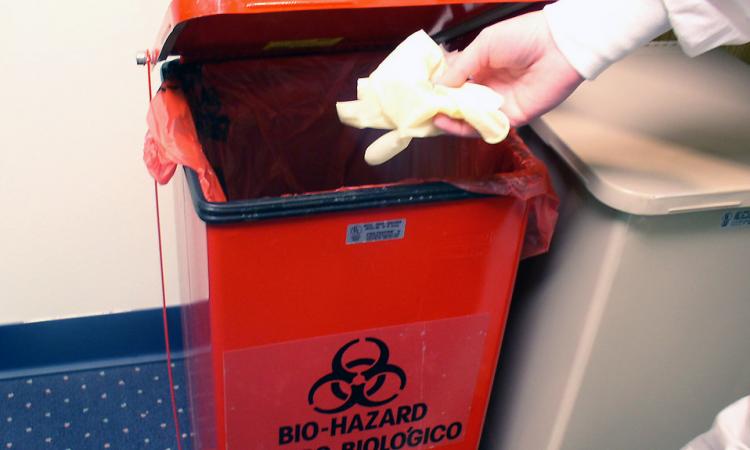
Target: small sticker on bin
(386,230)
(303,43)
(736,218)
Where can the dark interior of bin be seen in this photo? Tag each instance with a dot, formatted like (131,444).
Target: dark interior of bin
(269,127)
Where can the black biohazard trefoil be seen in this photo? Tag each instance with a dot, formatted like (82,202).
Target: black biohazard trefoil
(362,381)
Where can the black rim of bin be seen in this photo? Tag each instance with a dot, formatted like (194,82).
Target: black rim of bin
(316,203)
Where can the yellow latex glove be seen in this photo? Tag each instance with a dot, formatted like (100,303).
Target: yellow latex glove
(400,95)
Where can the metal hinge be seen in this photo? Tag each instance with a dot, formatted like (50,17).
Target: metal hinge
(141,58)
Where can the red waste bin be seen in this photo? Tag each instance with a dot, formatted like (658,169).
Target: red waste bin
(328,304)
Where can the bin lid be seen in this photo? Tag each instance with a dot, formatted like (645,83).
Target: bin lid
(659,133)
(200,30)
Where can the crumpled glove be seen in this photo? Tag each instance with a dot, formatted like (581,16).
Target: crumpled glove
(401,95)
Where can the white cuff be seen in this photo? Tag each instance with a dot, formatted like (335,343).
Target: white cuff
(592,34)
(702,25)
(731,429)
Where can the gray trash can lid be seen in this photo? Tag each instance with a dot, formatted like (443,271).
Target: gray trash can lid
(659,133)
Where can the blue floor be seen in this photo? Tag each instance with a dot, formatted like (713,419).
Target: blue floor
(124,407)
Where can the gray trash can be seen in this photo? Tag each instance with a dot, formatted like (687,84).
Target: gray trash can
(633,332)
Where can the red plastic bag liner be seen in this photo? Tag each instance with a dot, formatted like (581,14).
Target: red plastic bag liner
(268,127)
(171,139)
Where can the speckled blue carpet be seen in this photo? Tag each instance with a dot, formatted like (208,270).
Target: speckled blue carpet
(124,407)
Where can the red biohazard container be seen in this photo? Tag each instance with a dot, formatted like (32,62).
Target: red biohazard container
(329,304)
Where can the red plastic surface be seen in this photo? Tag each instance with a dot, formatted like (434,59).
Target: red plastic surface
(193,265)
(279,281)
(286,280)
(272,282)
(427,370)
(215,30)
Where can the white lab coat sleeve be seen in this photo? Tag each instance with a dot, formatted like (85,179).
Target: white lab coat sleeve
(731,429)
(592,34)
(701,25)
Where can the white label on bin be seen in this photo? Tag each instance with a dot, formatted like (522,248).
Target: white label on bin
(736,218)
(386,230)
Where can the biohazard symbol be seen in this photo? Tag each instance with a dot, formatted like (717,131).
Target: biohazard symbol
(357,379)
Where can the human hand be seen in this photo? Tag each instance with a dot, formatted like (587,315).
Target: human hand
(518,59)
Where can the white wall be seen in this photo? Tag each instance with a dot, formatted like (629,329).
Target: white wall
(77,227)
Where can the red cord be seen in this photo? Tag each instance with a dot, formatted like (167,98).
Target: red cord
(164,289)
